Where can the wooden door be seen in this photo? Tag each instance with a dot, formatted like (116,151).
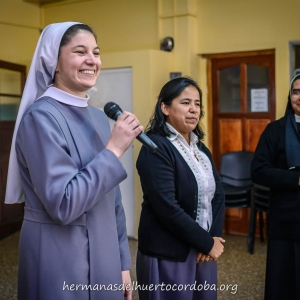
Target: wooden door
(12,80)
(242,104)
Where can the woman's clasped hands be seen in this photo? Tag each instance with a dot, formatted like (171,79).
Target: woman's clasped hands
(215,252)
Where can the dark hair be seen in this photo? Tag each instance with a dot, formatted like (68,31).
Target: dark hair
(168,93)
(289,106)
(72,31)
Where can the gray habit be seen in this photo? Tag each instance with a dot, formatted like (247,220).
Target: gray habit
(73,242)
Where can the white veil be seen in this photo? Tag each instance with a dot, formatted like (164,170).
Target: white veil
(40,77)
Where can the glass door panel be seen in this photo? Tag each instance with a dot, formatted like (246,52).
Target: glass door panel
(10,82)
(9,108)
(258,89)
(230,90)
(10,94)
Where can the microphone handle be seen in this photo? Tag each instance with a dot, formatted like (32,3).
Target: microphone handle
(145,140)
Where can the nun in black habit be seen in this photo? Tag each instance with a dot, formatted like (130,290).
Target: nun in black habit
(276,164)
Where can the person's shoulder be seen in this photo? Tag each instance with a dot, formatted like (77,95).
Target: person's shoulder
(42,116)
(279,121)
(274,125)
(161,141)
(44,109)
(36,108)
(157,138)
(164,146)
(274,130)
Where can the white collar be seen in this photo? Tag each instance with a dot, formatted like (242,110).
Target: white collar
(66,98)
(297,119)
(175,134)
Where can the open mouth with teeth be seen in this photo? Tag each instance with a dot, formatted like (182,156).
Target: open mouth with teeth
(90,72)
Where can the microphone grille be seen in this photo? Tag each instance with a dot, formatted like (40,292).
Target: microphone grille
(112,109)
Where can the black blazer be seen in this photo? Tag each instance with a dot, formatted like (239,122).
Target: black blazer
(167,226)
(269,168)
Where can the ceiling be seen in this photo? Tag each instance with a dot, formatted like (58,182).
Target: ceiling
(43,1)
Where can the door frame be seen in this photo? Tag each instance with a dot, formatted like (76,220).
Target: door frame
(209,58)
(11,215)
(235,219)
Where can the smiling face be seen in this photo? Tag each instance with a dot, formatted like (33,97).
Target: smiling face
(78,64)
(295,97)
(184,112)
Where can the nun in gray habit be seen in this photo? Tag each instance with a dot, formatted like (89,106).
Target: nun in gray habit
(276,164)
(64,164)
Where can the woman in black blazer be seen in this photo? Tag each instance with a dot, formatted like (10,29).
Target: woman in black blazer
(183,208)
(276,164)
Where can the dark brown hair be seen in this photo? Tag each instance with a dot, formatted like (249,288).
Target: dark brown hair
(72,31)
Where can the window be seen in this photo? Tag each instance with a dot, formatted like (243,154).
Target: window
(12,79)
(294,58)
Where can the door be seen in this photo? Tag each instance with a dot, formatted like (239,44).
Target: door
(12,81)
(243,103)
(115,85)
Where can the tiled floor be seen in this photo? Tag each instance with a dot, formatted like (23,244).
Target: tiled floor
(235,267)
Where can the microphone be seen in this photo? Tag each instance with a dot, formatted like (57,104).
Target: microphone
(113,111)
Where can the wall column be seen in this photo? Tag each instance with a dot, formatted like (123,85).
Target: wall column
(178,19)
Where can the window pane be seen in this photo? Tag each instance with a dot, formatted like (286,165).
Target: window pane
(258,88)
(9,108)
(10,82)
(230,89)
(297,56)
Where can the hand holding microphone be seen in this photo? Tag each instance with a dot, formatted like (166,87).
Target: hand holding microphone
(127,128)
